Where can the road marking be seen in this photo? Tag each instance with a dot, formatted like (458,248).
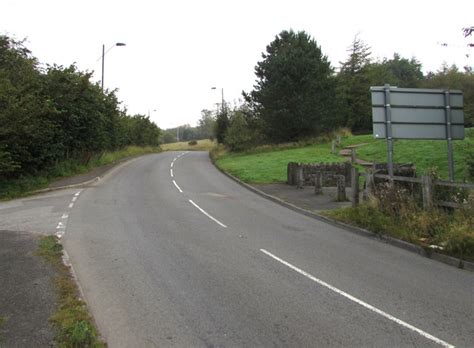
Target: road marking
(60,225)
(77,193)
(172,163)
(71,205)
(209,216)
(171,172)
(74,199)
(174,159)
(179,189)
(360,302)
(65,216)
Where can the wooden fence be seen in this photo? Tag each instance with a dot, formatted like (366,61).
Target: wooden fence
(427,187)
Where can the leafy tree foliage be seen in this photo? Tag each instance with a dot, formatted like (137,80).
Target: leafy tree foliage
(206,125)
(294,92)
(221,125)
(358,73)
(450,77)
(353,82)
(54,114)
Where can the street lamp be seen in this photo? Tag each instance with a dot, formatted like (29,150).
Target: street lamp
(222,92)
(103,56)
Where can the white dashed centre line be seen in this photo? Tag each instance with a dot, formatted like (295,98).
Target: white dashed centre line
(179,189)
(360,302)
(205,213)
(74,199)
(172,163)
(171,172)
(71,205)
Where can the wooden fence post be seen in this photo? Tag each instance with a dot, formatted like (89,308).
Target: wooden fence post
(299,177)
(341,188)
(289,173)
(333,147)
(427,190)
(355,186)
(318,183)
(369,185)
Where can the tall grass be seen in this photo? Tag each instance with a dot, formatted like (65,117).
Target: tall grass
(22,186)
(393,211)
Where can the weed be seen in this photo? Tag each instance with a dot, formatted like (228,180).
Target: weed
(74,325)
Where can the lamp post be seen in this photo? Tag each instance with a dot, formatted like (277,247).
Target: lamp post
(222,93)
(103,59)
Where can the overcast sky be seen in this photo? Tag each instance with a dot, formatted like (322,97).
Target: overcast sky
(177,50)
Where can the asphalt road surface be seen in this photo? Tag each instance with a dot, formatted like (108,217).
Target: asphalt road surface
(170,252)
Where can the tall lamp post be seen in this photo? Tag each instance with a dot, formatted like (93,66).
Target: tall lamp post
(103,60)
(222,93)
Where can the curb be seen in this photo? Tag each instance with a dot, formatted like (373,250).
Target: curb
(428,253)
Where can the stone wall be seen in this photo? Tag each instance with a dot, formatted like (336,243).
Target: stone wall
(328,171)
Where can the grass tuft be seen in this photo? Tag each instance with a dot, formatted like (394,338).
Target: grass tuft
(75,327)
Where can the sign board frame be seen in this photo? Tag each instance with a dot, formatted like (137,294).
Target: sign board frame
(412,113)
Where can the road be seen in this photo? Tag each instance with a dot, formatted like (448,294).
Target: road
(170,252)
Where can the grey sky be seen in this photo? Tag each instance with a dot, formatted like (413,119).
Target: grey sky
(177,50)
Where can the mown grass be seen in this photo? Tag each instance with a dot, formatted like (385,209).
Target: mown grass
(268,164)
(23,186)
(202,145)
(75,327)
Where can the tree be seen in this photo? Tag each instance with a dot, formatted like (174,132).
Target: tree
(206,125)
(353,85)
(398,71)
(294,92)
(221,125)
(449,77)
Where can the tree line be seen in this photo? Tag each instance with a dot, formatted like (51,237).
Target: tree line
(54,113)
(298,94)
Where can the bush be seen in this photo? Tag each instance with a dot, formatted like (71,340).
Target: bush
(193,142)
(239,136)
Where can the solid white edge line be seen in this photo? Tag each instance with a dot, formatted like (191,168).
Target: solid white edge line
(179,189)
(360,302)
(209,216)
(171,172)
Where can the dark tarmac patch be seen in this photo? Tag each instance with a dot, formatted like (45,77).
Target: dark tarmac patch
(27,293)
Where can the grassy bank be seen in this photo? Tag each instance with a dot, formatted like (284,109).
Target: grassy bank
(75,327)
(201,145)
(268,164)
(22,186)
(447,232)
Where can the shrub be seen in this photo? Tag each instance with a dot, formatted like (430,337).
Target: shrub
(193,142)
(239,136)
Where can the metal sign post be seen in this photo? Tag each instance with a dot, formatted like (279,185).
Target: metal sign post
(412,113)
(388,129)
(447,105)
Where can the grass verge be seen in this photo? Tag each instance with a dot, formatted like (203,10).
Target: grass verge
(448,232)
(20,187)
(202,145)
(75,327)
(268,164)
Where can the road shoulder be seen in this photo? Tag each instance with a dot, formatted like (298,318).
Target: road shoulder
(28,297)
